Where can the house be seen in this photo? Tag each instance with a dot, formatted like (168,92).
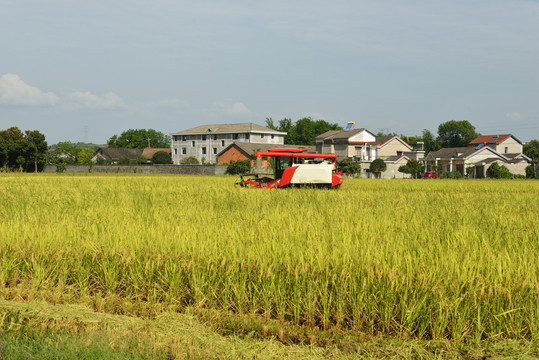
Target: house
(114,154)
(246,151)
(503,144)
(479,158)
(207,141)
(363,146)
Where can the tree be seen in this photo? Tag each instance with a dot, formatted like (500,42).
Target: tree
(239,167)
(141,159)
(378,166)
(349,166)
(36,150)
(496,171)
(139,139)
(304,131)
(413,167)
(531,150)
(189,160)
(124,160)
(456,133)
(429,141)
(26,151)
(161,157)
(85,156)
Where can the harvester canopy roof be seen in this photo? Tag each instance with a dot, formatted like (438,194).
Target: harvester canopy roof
(295,153)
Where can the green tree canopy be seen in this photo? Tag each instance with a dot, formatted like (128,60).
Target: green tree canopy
(139,139)
(26,150)
(430,143)
(161,157)
(239,167)
(378,166)
(349,166)
(304,131)
(531,150)
(189,160)
(412,167)
(456,133)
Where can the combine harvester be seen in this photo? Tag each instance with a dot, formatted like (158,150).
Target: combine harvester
(293,167)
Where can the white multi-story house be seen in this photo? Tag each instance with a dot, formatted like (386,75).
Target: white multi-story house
(205,142)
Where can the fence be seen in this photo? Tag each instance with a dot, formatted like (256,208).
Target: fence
(143,169)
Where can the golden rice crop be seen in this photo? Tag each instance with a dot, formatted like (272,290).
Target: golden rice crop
(428,258)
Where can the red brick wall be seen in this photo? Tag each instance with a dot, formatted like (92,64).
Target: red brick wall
(232,154)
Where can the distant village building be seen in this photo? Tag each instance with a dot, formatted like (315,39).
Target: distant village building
(364,147)
(114,154)
(206,142)
(480,153)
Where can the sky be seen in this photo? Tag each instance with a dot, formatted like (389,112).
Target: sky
(87,70)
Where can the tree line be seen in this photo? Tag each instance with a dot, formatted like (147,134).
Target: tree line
(28,151)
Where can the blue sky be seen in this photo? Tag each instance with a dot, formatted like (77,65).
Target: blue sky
(86,70)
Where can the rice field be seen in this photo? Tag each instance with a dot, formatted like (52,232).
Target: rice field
(423,259)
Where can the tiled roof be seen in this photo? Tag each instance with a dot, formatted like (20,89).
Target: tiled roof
(116,153)
(148,153)
(383,139)
(461,152)
(229,128)
(339,134)
(489,139)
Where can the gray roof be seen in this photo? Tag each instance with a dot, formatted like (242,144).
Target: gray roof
(384,139)
(116,153)
(251,149)
(229,128)
(339,134)
(461,152)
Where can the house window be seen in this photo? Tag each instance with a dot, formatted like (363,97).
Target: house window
(214,137)
(184,138)
(246,136)
(193,143)
(203,137)
(184,151)
(175,151)
(272,136)
(222,143)
(234,136)
(215,150)
(203,151)
(261,136)
(358,151)
(506,149)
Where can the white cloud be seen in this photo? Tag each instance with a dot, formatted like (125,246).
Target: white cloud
(14,91)
(167,103)
(230,107)
(87,100)
(513,116)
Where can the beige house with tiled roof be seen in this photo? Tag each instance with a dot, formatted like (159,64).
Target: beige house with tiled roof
(478,157)
(364,147)
(207,141)
(504,144)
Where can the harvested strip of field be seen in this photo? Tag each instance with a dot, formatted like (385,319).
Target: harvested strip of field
(40,330)
(445,260)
